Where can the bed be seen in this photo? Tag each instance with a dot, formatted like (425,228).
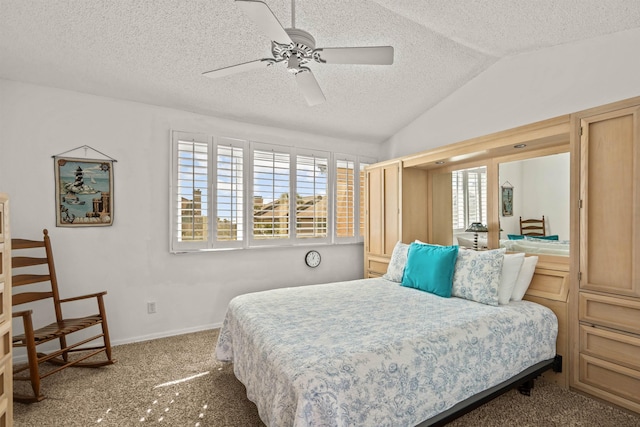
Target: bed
(371,352)
(537,246)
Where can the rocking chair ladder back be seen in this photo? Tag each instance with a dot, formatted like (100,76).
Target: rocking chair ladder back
(532,227)
(27,288)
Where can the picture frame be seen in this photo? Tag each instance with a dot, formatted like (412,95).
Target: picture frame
(507,199)
(84,192)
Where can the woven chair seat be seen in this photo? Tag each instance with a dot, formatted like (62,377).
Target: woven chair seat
(58,329)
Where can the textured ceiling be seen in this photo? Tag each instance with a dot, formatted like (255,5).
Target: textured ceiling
(154,51)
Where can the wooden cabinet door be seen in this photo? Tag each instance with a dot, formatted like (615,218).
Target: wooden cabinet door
(610,197)
(382,205)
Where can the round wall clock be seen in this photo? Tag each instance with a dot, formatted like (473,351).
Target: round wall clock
(312,259)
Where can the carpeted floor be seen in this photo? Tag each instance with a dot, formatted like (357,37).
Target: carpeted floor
(177,382)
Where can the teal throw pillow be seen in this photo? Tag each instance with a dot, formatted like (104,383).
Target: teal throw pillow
(552,237)
(430,268)
(515,236)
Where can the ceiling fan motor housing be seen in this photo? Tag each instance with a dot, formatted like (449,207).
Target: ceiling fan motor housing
(302,47)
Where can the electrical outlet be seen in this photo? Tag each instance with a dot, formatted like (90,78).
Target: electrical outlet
(151,307)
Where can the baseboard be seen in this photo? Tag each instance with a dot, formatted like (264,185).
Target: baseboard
(165,334)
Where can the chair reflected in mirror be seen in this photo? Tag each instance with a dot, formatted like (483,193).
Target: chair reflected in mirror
(532,227)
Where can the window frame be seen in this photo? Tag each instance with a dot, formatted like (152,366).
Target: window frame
(482,196)
(235,143)
(176,244)
(248,240)
(251,239)
(359,163)
(329,195)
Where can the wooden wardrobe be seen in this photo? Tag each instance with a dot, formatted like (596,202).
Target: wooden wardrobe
(606,310)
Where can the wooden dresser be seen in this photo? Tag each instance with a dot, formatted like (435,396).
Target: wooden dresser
(606,329)
(6,374)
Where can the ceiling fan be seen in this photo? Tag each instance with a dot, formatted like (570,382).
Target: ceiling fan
(297,48)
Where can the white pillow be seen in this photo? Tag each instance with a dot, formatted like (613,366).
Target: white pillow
(524,278)
(477,275)
(510,270)
(395,269)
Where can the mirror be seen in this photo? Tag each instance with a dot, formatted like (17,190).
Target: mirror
(535,188)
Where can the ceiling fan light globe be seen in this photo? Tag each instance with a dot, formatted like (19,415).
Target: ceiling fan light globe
(293,64)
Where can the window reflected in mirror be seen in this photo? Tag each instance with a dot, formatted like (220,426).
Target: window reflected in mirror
(469,205)
(535,218)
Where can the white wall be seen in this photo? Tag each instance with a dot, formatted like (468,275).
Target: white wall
(528,88)
(131,259)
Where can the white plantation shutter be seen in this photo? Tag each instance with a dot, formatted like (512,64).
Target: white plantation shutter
(362,196)
(311,208)
(190,193)
(271,193)
(458,191)
(477,182)
(230,191)
(345,217)
(469,191)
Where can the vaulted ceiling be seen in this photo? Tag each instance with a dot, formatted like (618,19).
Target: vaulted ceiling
(154,51)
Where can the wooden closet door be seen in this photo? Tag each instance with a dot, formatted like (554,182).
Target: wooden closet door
(610,196)
(383,206)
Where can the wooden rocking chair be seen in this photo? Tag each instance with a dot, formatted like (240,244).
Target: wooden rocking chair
(58,330)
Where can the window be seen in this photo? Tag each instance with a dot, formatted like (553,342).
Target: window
(469,187)
(312,195)
(190,226)
(271,193)
(231,193)
(363,188)
(349,197)
(345,198)
(229,173)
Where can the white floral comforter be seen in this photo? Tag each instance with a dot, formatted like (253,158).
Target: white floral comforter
(373,353)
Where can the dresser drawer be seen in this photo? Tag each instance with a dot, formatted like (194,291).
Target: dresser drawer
(616,313)
(611,346)
(612,379)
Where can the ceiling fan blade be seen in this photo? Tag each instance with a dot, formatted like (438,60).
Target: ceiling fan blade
(310,88)
(374,55)
(239,68)
(264,18)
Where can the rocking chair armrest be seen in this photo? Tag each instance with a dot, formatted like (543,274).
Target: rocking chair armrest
(81,297)
(23,313)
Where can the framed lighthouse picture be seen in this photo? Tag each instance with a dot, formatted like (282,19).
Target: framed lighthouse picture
(84,192)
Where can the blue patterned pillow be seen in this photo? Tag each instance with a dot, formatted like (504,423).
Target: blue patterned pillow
(477,275)
(430,268)
(395,270)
